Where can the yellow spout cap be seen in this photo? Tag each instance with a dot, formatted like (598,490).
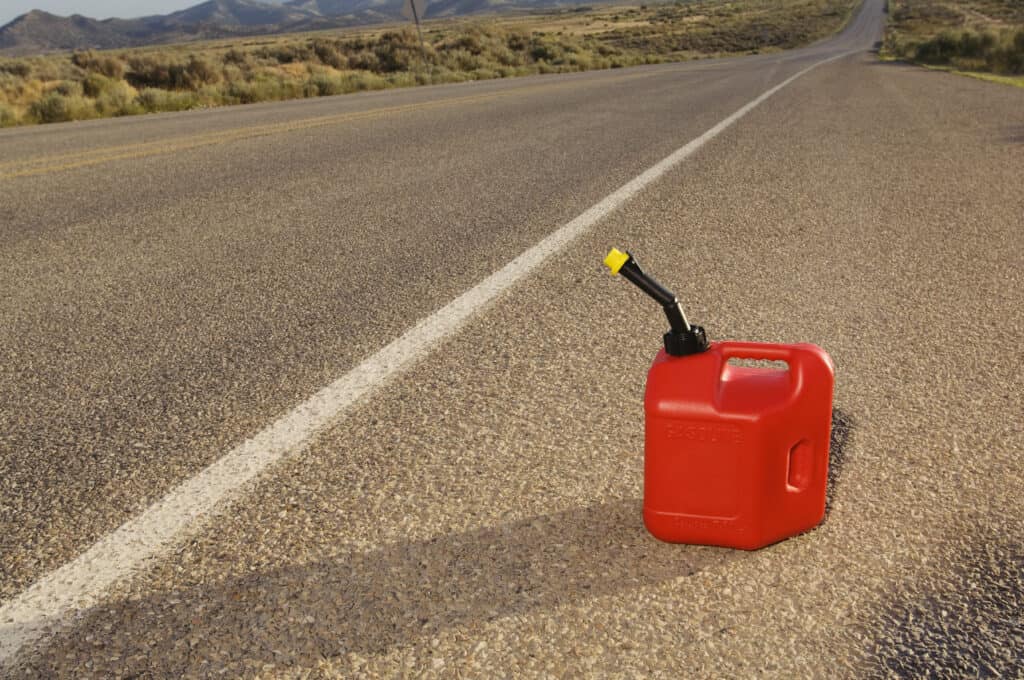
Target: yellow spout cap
(615,259)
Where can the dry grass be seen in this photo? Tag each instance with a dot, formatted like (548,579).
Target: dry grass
(972,36)
(217,73)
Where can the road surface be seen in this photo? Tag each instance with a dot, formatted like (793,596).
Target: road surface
(180,289)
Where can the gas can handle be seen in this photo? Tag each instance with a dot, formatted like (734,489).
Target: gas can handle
(789,354)
(758,350)
(809,365)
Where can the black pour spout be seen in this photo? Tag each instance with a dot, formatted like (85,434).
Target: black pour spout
(682,338)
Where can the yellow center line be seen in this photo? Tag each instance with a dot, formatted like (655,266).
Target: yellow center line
(62,162)
(214,137)
(52,164)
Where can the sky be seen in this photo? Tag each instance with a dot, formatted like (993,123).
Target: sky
(97,9)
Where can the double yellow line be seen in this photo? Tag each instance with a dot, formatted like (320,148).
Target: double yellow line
(45,165)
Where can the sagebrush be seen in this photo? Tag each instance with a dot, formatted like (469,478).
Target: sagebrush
(984,36)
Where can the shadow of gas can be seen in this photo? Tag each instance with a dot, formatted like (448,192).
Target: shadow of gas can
(734,455)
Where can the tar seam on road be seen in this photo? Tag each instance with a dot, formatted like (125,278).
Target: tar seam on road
(58,597)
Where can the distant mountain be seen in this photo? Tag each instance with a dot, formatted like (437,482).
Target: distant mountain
(38,31)
(232,13)
(329,8)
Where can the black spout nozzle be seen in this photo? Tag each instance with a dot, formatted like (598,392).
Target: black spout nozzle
(682,338)
(666,298)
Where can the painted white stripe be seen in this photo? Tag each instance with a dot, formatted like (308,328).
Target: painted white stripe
(79,584)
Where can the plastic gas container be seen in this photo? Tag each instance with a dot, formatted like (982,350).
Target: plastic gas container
(734,455)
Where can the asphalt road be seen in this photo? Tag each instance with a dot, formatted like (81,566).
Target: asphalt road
(173,284)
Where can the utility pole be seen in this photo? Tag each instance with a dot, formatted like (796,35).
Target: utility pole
(414,9)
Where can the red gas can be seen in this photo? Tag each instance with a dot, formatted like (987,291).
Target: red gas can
(737,455)
(734,455)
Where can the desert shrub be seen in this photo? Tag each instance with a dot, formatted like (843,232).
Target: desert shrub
(973,50)
(517,42)
(938,50)
(353,45)
(7,116)
(231,72)
(210,95)
(364,60)
(15,67)
(484,74)
(55,68)
(68,88)
(199,72)
(397,51)
(14,90)
(446,75)
(976,45)
(266,87)
(106,65)
(154,71)
(1016,54)
(236,57)
(286,53)
(946,46)
(152,100)
(118,99)
(543,52)
(1008,56)
(583,62)
(151,71)
(95,84)
(329,54)
(242,92)
(461,60)
(504,56)
(471,42)
(356,82)
(324,85)
(55,107)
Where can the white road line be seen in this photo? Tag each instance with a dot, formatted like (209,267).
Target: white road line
(68,591)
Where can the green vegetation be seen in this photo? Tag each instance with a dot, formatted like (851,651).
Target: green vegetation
(90,84)
(973,36)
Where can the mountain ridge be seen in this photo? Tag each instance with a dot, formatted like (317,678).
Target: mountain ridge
(38,32)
